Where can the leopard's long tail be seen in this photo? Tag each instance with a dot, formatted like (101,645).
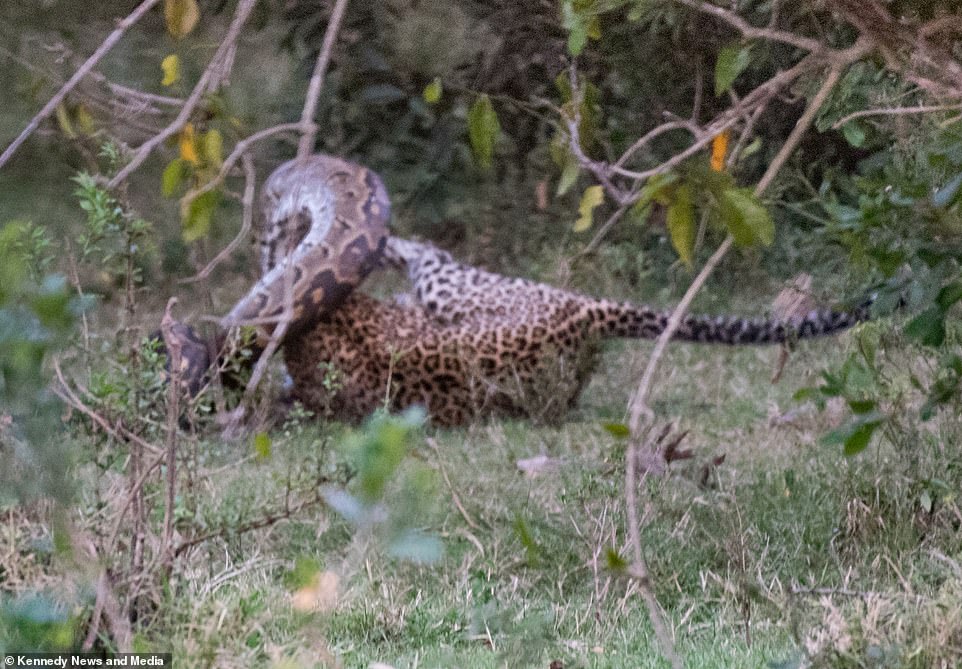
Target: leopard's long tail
(621,319)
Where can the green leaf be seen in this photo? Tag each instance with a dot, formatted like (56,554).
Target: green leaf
(432,92)
(170,66)
(569,174)
(577,37)
(173,177)
(619,430)
(212,147)
(63,120)
(533,550)
(946,195)
(859,440)
(751,149)
(746,218)
(861,406)
(928,327)
(681,225)
(657,189)
(949,295)
(732,61)
(196,217)
(856,434)
(854,134)
(262,446)
(483,129)
(592,197)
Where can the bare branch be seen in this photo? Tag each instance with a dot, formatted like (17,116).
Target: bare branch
(895,111)
(602,231)
(174,349)
(250,179)
(601,170)
(308,128)
(750,31)
(639,406)
(244,8)
(82,72)
(655,132)
(728,118)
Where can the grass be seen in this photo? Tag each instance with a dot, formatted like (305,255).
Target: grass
(787,555)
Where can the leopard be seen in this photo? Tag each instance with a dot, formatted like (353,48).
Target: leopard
(472,343)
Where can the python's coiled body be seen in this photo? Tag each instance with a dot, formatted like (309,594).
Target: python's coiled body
(324,227)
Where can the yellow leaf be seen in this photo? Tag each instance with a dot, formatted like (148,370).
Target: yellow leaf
(719,148)
(84,120)
(188,145)
(181,16)
(213,146)
(432,92)
(63,120)
(171,68)
(593,196)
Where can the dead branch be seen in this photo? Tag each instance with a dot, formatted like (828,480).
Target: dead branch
(307,126)
(175,389)
(895,111)
(747,30)
(82,72)
(265,521)
(213,68)
(120,433)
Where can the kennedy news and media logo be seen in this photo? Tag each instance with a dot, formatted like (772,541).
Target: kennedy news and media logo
(67,660)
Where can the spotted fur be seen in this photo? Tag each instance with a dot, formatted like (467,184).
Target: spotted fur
(473,342)
(454,293)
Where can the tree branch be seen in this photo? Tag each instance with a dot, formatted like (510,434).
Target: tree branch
(307,126)
(244,8)
(82,72)
(750,31)
(895,111)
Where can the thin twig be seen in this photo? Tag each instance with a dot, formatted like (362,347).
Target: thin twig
(244,8)
(895,111)
(247,220)
(122,434)
(82,72)
(750,31)
(454,495)
(602,231)
(265,521)
(307,126)
(174,349)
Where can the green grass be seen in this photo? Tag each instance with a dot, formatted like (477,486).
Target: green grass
(786,549)
(782,512)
